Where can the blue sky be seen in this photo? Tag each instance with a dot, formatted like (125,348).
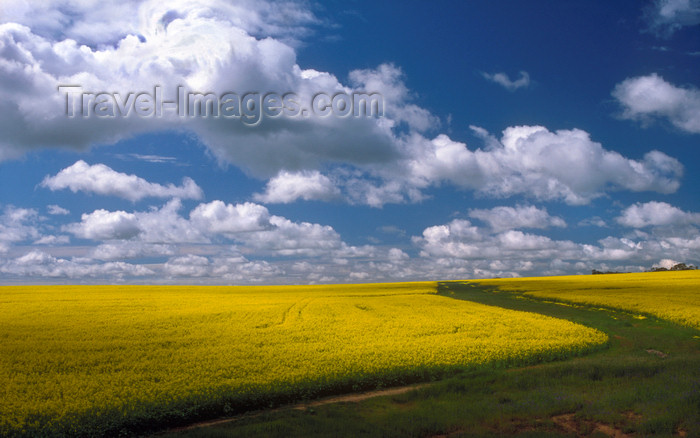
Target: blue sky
(516,139)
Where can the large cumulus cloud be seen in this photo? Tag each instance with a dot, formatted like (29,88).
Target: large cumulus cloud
(218,47)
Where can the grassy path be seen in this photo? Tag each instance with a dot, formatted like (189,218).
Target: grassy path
(646,383)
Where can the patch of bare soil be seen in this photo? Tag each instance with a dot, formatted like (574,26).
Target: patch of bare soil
(358,396)
(661,354)
(584,428)
(448,435)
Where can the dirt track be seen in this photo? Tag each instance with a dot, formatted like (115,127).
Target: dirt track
(347,398)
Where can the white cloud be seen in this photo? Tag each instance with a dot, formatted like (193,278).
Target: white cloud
(248,272)
(503,80)
(668,16)
(287,187)
(227,268)
(615,249)
(151,158)
(394,189)
(666,263)
(103,180)
(36,264)
(656,214)
(516,240)
(212,244)
(215,222)
(528,160)
(594,221)
(289,238)
(458,239)
(545,165)
(156,226)
(508,218)
(89,22)
(217,217)
(647,97)
(95,23)
(56,210)
(106,225)
(18,224)
(187,266)
(52,240)
(203,45)
(387,79)
(26,226)
(392,229)
(299,252)
(396,255)
(459,249)
(165,225)
(359,276)
(121,250)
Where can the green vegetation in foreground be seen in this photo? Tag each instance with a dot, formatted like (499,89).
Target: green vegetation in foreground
(126,360)
(624,388)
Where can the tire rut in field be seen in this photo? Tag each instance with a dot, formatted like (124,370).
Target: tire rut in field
(300,305)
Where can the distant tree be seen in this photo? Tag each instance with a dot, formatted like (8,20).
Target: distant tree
(676,267)
(683,267)
(596,272)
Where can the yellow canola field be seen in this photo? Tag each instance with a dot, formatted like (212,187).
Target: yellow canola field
(100,356)
(672,295)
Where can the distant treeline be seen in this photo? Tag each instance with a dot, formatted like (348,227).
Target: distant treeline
(676,267)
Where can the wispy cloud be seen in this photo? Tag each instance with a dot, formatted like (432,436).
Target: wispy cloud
(150,158)
(503,80)
(594,221)
(56,210)
(511,218)
(665,17)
